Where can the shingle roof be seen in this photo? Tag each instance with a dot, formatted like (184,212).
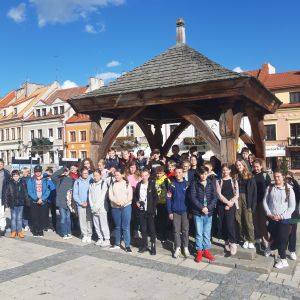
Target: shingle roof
(179,65)
(65,94)
(7,99)
(78,118)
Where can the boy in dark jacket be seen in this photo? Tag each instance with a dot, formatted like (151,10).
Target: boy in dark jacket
(145,197)
(177,210)
(16,198)
(203,202)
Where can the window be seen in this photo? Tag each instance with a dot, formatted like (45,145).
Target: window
(83,154)
(44,112)
(4,113)
(7,134)
(31,134)
(15,110)
(51,157)
(129,130)
(270,132)
(60,133)
(19,133)
(72,136)
(40,133)
(55,110)
(50,131)
(172,127)
(13,133)
(38,112)
(61,110)
(73,154)
(1,135)
(295,134)
(83,135)
(295,97)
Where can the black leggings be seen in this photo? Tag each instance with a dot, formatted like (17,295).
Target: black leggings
(293,238)
(226,226)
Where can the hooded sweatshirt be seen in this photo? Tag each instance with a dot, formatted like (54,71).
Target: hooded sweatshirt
(81,190)
(277,202)
(98,197)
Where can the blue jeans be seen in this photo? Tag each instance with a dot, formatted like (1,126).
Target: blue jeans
(65,221)
(16,218)
(203,231)
(122,218)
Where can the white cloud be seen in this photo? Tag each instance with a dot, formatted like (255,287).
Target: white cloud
(17,13)
(113,63)
(90,28)
(238,69)
(107,76)
(68,84)
(64,11)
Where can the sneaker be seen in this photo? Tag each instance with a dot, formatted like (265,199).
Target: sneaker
(114,247)
(84,239)
(246,245)
(99,243)
(198,258)
(26,228)
(282,263)
(106,243)
(13,234)
(176,253)
(69,236)
(128,250)
(251,245)
(65,237)
(233,248)
(293,256)
(21,235)
(267,252)
(88,240)
(186,252)
(208,255)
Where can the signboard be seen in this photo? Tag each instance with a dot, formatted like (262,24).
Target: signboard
(21,162)
(68,161)
(275,151)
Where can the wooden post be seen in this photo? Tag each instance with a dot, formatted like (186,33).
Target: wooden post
(146,128)
(158,136)
(229,131)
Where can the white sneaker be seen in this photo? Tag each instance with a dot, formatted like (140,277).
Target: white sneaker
(65,237)
(233,248)
(26,228)
(282,263)
(246,245)
(105,243)
(69,236)
(186,252)
(267,252)
(99,242)
(251,246)
(115,247)
(88,240)
(176,253)
(293,256)
(84,239)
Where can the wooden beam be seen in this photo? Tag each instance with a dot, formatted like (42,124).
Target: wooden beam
(146,128)
(247,140)
(173,136)
(201,126)
(117,125)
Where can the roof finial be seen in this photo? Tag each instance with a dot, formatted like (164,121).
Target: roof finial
(180,32)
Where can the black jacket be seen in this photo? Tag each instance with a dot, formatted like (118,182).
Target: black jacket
(16,194)
(251,193)
(152,197)
(5,182)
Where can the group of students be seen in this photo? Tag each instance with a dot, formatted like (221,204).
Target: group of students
(125,195)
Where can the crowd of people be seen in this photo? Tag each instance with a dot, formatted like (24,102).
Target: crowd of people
(164,198)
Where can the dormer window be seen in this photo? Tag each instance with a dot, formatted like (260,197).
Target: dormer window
(55,110)
(4,113)
(62,110)
(15,110)
(44,112)
(38,112)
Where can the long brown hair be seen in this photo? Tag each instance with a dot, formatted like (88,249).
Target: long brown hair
(137,173)
(246,175)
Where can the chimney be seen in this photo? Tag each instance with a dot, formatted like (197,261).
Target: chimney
(180,32)
(95,83)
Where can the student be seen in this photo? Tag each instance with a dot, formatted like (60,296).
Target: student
(154,162)
(80,195)
(228,194)
(188,174)
(162,223)
(193,162)
(125,160)
(295,215)
(175,155)
(4,180)
(279,204)
(177,210)
(38,192)
(245,157)
(120,196)
(203,202)
(262,180)
(102,169)
(171,166)
(112,161)
(141,161)
(16,198)
(247,204)
(51,200)
(145,197)
(25,175)
(251,159)
(98,200)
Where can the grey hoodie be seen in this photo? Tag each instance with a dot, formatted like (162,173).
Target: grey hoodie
(98,197)
(276,203)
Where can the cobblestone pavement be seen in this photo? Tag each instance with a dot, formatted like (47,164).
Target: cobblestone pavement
(50,268)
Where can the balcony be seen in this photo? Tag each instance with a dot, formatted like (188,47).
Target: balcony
(294,141)
(41,143)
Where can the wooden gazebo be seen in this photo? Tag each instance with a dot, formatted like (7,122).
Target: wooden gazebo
(182,86)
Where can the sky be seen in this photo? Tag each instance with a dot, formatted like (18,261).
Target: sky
(72,40)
